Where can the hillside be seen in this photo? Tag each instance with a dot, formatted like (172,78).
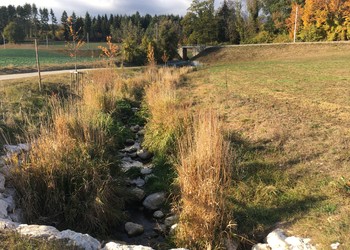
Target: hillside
(286,109)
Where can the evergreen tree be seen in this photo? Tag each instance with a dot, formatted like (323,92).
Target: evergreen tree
(64,23)
(53,23)
(87,25)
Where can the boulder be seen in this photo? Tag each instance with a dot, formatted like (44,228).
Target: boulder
(158,214)
(171,220)
(138,193)
(118,246)
(134,164)
(139,182)
(146,171)
(129,142)
(144,154)
(154,201)
(84,241)
(135,128)
(2,183)
(133,229)
(38,231)
(296,243)
(17,215)
(173,229)
(276,239)
(3,209)
(261,246)
(8,224)
(160,228)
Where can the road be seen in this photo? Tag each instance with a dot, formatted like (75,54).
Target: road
(35,74)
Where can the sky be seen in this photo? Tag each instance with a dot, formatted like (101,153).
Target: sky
(102,7)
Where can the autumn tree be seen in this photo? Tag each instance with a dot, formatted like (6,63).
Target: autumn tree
(14,32)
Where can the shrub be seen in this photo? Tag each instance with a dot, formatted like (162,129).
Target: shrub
(204,177)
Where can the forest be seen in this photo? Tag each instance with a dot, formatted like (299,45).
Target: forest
(234,22)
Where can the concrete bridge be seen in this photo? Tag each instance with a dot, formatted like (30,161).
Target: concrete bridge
(195,49)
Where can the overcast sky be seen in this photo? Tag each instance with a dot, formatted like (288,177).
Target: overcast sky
(95,7)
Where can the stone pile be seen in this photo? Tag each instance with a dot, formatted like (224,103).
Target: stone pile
(277,240)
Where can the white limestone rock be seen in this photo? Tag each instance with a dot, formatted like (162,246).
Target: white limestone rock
(128,165)
(118,246)
(38,231)
(146,171)
(84,241)
(154,201)
(139,182)
(8,224)
(144,154)
(297,243)
(261,246)
(276,240)
(133,229)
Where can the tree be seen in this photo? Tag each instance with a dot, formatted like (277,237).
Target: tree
(168,37)
(226,16)
(44,21)
(64,19)
(35,24)
(199,23)
(14,32)
(87,25)
(53,22)
(253,7)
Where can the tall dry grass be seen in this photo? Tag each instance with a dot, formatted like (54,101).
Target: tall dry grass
(70,178)
(204,178)
(166,117)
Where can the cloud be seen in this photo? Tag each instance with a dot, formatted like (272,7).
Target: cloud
(94,7)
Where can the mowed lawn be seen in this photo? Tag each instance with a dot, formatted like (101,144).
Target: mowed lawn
(287,113)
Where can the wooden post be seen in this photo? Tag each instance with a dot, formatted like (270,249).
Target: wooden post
(295,24)
(38,63)
(3,38)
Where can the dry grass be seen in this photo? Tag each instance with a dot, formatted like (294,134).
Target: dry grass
(288,107)
(165,112)
(204,177)
(71,176)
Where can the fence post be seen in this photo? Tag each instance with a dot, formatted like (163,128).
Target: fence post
(38,63)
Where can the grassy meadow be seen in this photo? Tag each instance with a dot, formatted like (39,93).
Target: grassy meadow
(21,58)
(286,112)
(256,138)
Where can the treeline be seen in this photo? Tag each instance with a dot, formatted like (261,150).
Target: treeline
(259,21)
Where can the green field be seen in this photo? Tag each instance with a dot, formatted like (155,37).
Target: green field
(287,111)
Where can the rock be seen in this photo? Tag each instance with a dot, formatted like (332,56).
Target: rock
(146,171)
(117,246)
(154,201)
(261,246)
(133,229)
(173,229)
(178,249)
(84,241)
(8,224)
(296,243)
(138,193)
(38,231)
(2,183)
(129,142)
(127,159)
(160,228)
(132,148)
(3,209)
(144,154)
(141,132)
(133,155)
(276,239)
(11,205)
(17,215)
(169,221)
(335,245)
(138,182)
(135,128)
(134,164)
(158,214)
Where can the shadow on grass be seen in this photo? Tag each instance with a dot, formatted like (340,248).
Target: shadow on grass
(264,194)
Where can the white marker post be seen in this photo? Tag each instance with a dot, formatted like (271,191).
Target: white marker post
(3,38)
